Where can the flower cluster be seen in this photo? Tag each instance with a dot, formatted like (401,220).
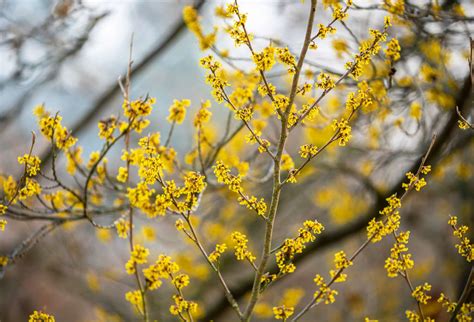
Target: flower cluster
(163,268)
(237,31)
(32,164)
(107,128)
(343,131)
(38,316)
(29,189)
(138,108)
(234,183)
(293,246)
(339,13)
(240,247)
(123,227)
(419,293)
(325,82)
(180,281)
(215,78)
(414,181)
(377,229)
(393,50)
(136,299)
(324,292)
(51,128)
(282,312)
(203,115)
(412,316)
(152,160)
(341,262)
(181,305)
(224,176)
(360,99)
(178,111)
(265,59)
(216,254)
(464,246)
(463,125)
(286,58)
(325,30)
(367,50)
(138,255)
(280,102)
(445,302)
(308,151)
(244,113)
(400,260)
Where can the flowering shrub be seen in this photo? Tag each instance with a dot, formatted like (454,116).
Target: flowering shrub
(282,119)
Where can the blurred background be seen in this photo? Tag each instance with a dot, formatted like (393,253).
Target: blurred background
(69,54)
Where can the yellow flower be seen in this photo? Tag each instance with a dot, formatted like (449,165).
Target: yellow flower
(344,131)
(393,50)
(283,312)
(31,188)
(308,150)
(3,261)
(216,254)
(415,110)
(32,164)
(325,30)
(203,115)
(135,298)
(400,260)
(463,125)
(123,227)
(266,59)
(52,129)
(339,13)
(178,111)
(107,128)
(215,78)
(138,107)
(240,247)
(419,293)
(286,57)
(325,293)
(163,268)
(139,254)
(194,183)
(291,247)
(73,157)
(122,175)
(39,316)
(180,281)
